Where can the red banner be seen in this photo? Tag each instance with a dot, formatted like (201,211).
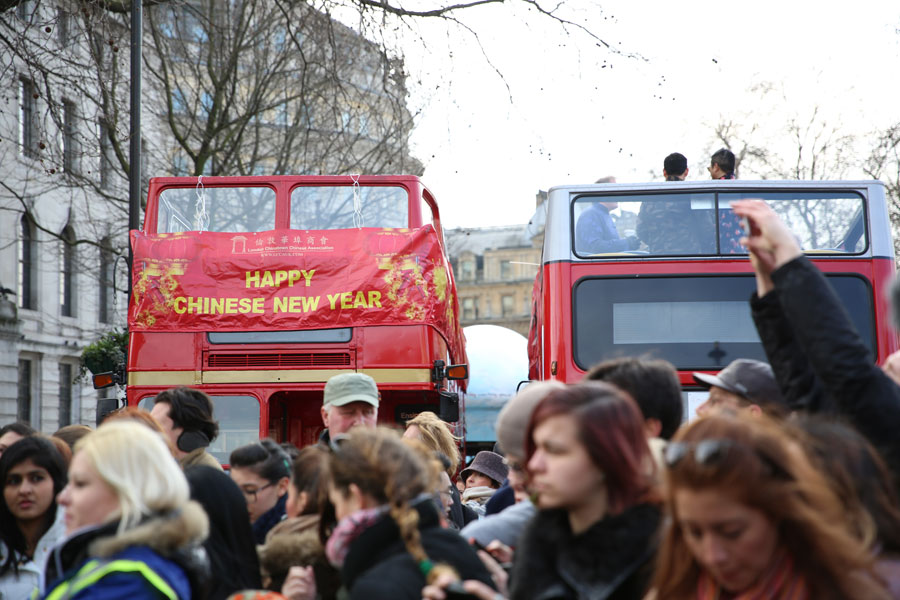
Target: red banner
(286,279)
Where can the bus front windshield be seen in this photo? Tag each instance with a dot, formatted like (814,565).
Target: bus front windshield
(228,209)
(347,207)
(685,223)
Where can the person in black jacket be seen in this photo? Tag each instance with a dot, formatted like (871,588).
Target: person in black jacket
(819,359)
(595,534)
(389,541)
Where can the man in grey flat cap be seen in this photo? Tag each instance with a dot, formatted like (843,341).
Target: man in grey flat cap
(349,400)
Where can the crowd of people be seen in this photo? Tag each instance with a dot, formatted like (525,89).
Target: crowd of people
(785,486)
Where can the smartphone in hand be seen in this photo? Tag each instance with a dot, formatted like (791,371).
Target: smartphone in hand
(455,591)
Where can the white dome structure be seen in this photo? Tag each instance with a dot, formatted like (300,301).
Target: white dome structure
(498,361)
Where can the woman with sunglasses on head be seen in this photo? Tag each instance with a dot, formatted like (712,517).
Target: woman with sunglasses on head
(591,472)
(263,472)
(33,472)
(751,518)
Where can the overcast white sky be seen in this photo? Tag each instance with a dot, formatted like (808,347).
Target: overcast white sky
(574,112)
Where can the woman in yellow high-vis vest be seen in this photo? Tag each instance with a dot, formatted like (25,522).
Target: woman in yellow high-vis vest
(132,531)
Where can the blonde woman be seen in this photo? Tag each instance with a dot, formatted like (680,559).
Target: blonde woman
(131,528)
(429,429)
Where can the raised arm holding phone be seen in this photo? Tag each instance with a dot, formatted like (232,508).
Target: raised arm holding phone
(806,316)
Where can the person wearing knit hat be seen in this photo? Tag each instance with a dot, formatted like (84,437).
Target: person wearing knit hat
(512,425)
(512,422)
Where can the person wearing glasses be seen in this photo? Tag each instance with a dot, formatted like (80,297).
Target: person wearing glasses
(750,517)
(591,473)
(263,472)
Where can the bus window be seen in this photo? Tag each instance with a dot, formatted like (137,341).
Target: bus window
(347,207)
(228,209)
(694,322)
(339,335)
(674,224)
(824,222)
(238,418)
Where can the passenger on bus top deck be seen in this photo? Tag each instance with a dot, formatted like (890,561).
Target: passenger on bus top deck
(675,167)
(350,399)
(743,386)
(722,164)
(595,231)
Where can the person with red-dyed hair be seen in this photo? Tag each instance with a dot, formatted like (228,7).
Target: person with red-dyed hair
(592,475)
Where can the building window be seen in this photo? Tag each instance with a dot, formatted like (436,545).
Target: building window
(26,117)
(468,270)
(25,10)
(105,154)
(27,264)
(470,309)
(107,263)
(23,400)
(63,25)
(506,271)
(508,304)
(65,394)
(67,273)
(70,153)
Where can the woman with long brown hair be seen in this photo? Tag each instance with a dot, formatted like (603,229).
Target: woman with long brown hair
(751,518)
(592,476)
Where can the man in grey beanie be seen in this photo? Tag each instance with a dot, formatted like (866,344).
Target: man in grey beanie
(512,426)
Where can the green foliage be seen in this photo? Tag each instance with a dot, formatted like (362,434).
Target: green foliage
(106,354)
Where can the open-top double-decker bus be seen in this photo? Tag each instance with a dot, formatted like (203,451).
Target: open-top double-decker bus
(672,281)
(258,289)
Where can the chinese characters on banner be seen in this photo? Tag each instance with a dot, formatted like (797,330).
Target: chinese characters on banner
(290,280)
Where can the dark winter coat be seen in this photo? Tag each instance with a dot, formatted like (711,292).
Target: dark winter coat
(378,567)
(612,560)
(819,359)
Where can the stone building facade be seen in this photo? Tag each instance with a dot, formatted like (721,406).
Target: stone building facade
(63,191)
(495,269)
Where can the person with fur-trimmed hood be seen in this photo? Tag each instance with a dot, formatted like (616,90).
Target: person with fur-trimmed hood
(132,531)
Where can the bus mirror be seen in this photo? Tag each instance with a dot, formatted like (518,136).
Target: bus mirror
(104,380)
(106,406)
(523,384)
(458,372)
(450,406)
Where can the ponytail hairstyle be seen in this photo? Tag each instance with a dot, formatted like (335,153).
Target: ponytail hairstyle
(265,458)
(394,474)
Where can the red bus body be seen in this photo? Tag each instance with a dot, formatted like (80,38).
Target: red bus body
(554,330)
(268,388)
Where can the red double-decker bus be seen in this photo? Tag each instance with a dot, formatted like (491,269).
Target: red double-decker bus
(257,290)
(664,275)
